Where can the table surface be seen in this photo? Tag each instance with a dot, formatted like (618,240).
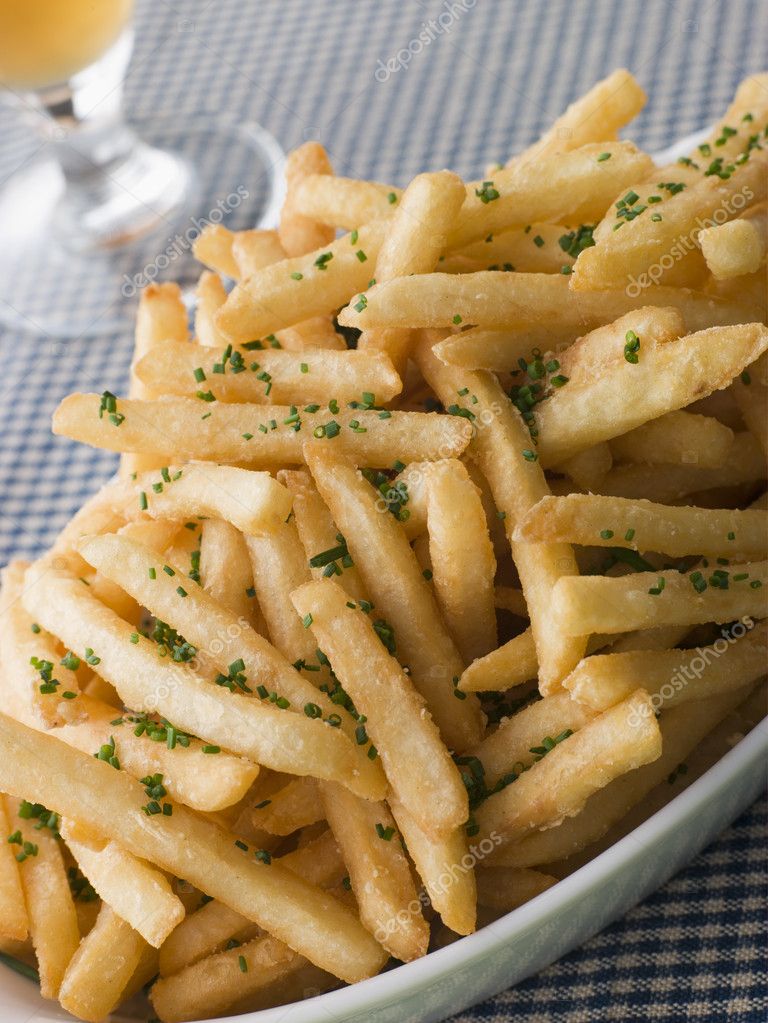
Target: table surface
(464,83)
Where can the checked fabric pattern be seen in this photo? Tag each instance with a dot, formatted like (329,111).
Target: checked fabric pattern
(350,73)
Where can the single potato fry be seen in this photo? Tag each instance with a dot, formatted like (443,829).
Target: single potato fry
(676,438)
(51,912)
(297,232)
(271,376)
(14,922)
(417,764)
(259,435)
(102,967)
(643,600)
(211,296)
(137,893)
(598,521)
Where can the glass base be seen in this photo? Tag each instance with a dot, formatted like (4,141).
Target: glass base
(72,265)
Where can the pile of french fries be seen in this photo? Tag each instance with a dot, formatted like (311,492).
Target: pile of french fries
(434,554)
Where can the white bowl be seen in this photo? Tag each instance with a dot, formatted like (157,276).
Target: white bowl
(533,936)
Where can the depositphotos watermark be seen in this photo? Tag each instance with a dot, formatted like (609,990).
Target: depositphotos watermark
(687,243)
(700,659)
(181,244)
(430,30)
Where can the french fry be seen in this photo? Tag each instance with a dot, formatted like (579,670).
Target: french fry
(279,566)
(511,599)
(667,483)
(621,258)
(210,295)
(213,247)
(255,975)
(568,187)
(32,663)
(752,401)
(14,922)
(136,892)
(379,872)
(417,237)
(319,534)
(271,376)
(556,787)
(208,928)
(461,553)
(598,114)
(676,438)
(178,429)
(294,806)
(506,888)
(417,765)
(540,305)
(252,501)
(643,600)
(50,910)
(735,248)
(445,867)
(101,968)
(401,595)
(669,374)
(299,287)
(510,747)
(587,468)
(503,448)
(344,202)
(284,905)
(598,521)
(225,572)
(682,729)
(254,728)
(297,232)
(253,250)
(161,317)
(672,676)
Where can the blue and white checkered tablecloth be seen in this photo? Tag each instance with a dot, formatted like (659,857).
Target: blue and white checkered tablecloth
(482,87)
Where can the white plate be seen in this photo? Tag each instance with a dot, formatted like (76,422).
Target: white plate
(533,936)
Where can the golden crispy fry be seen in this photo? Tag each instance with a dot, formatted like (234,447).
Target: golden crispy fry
(506,888)
(137,893)
(510,746)
(299,287)
(246,434)
(379,872)
(676,438)
(271,376)
(298,233)
(599,521)
(102,967)
(598,114)
(503,668)
(211,296)
(345,202)
(416,763)
(418,236)
(50,910)
(540,305)
(647,599)
(461,554)
(14,922)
